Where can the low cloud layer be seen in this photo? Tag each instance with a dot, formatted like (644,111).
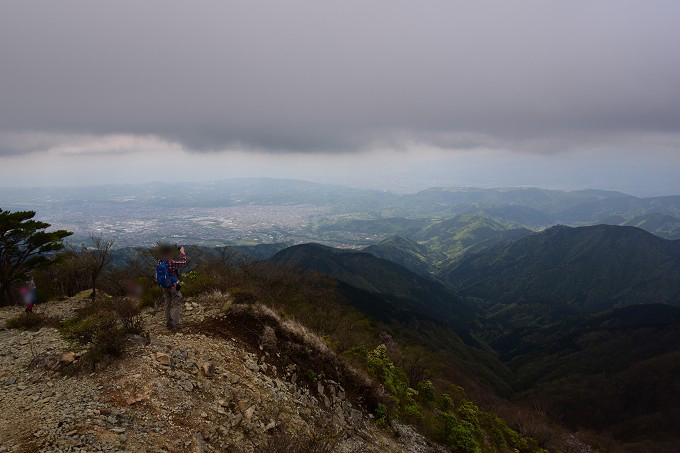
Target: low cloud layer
(309,76)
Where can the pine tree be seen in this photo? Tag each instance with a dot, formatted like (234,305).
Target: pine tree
(25,245)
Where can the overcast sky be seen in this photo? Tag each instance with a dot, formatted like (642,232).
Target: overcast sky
(554,93)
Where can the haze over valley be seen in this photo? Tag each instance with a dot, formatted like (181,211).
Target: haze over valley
(251,211)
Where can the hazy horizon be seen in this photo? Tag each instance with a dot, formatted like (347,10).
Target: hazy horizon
(415,189)
(636,175)
(389,95)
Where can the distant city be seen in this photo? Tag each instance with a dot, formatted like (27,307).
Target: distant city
(259,211)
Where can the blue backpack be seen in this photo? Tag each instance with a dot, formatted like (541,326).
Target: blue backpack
(163,277)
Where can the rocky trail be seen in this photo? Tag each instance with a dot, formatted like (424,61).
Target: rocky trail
(208,388)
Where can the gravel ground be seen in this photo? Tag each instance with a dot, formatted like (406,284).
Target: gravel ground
(181,392)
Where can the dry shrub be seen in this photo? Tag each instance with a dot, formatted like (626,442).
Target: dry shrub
(297,330)
(31,321)
(130,315)
(284,441)
(101,328)
(259,311)
(100,332)
(243,296)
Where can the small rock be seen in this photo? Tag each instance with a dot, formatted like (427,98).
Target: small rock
(208,369)
(200,443)
(11,380)
(243,405)
(163,359)
(137,340)
(68,357)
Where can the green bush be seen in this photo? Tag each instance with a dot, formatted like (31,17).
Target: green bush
(31,321)
(426,392)
(101,333)
(381,413)
(194,283)
(502,436)
(151,296)
(470,413)
(101,328)
(445,403)
(390,376)
(394,380)
(461,435)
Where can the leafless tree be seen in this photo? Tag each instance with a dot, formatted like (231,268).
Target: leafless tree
(95,258)
(228,257)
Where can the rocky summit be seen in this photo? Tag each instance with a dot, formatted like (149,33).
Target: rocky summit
(193,390)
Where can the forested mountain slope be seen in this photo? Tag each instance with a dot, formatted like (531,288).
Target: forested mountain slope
(369,273)
(586,269)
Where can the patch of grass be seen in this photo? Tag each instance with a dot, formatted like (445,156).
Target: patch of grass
(218,298)
(31,321)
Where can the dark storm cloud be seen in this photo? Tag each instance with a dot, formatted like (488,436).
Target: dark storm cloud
(340,76)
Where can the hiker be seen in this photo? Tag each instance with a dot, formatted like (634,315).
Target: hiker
(167,277)
(28,294)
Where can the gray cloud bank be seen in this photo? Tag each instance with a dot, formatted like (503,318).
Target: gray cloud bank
(341,76)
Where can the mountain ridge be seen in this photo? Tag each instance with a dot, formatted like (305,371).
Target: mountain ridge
(376,275)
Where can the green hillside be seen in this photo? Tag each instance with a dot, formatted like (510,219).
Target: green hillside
(465,233)
(516,216)
(405,252)
(662,225)
(582,270)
